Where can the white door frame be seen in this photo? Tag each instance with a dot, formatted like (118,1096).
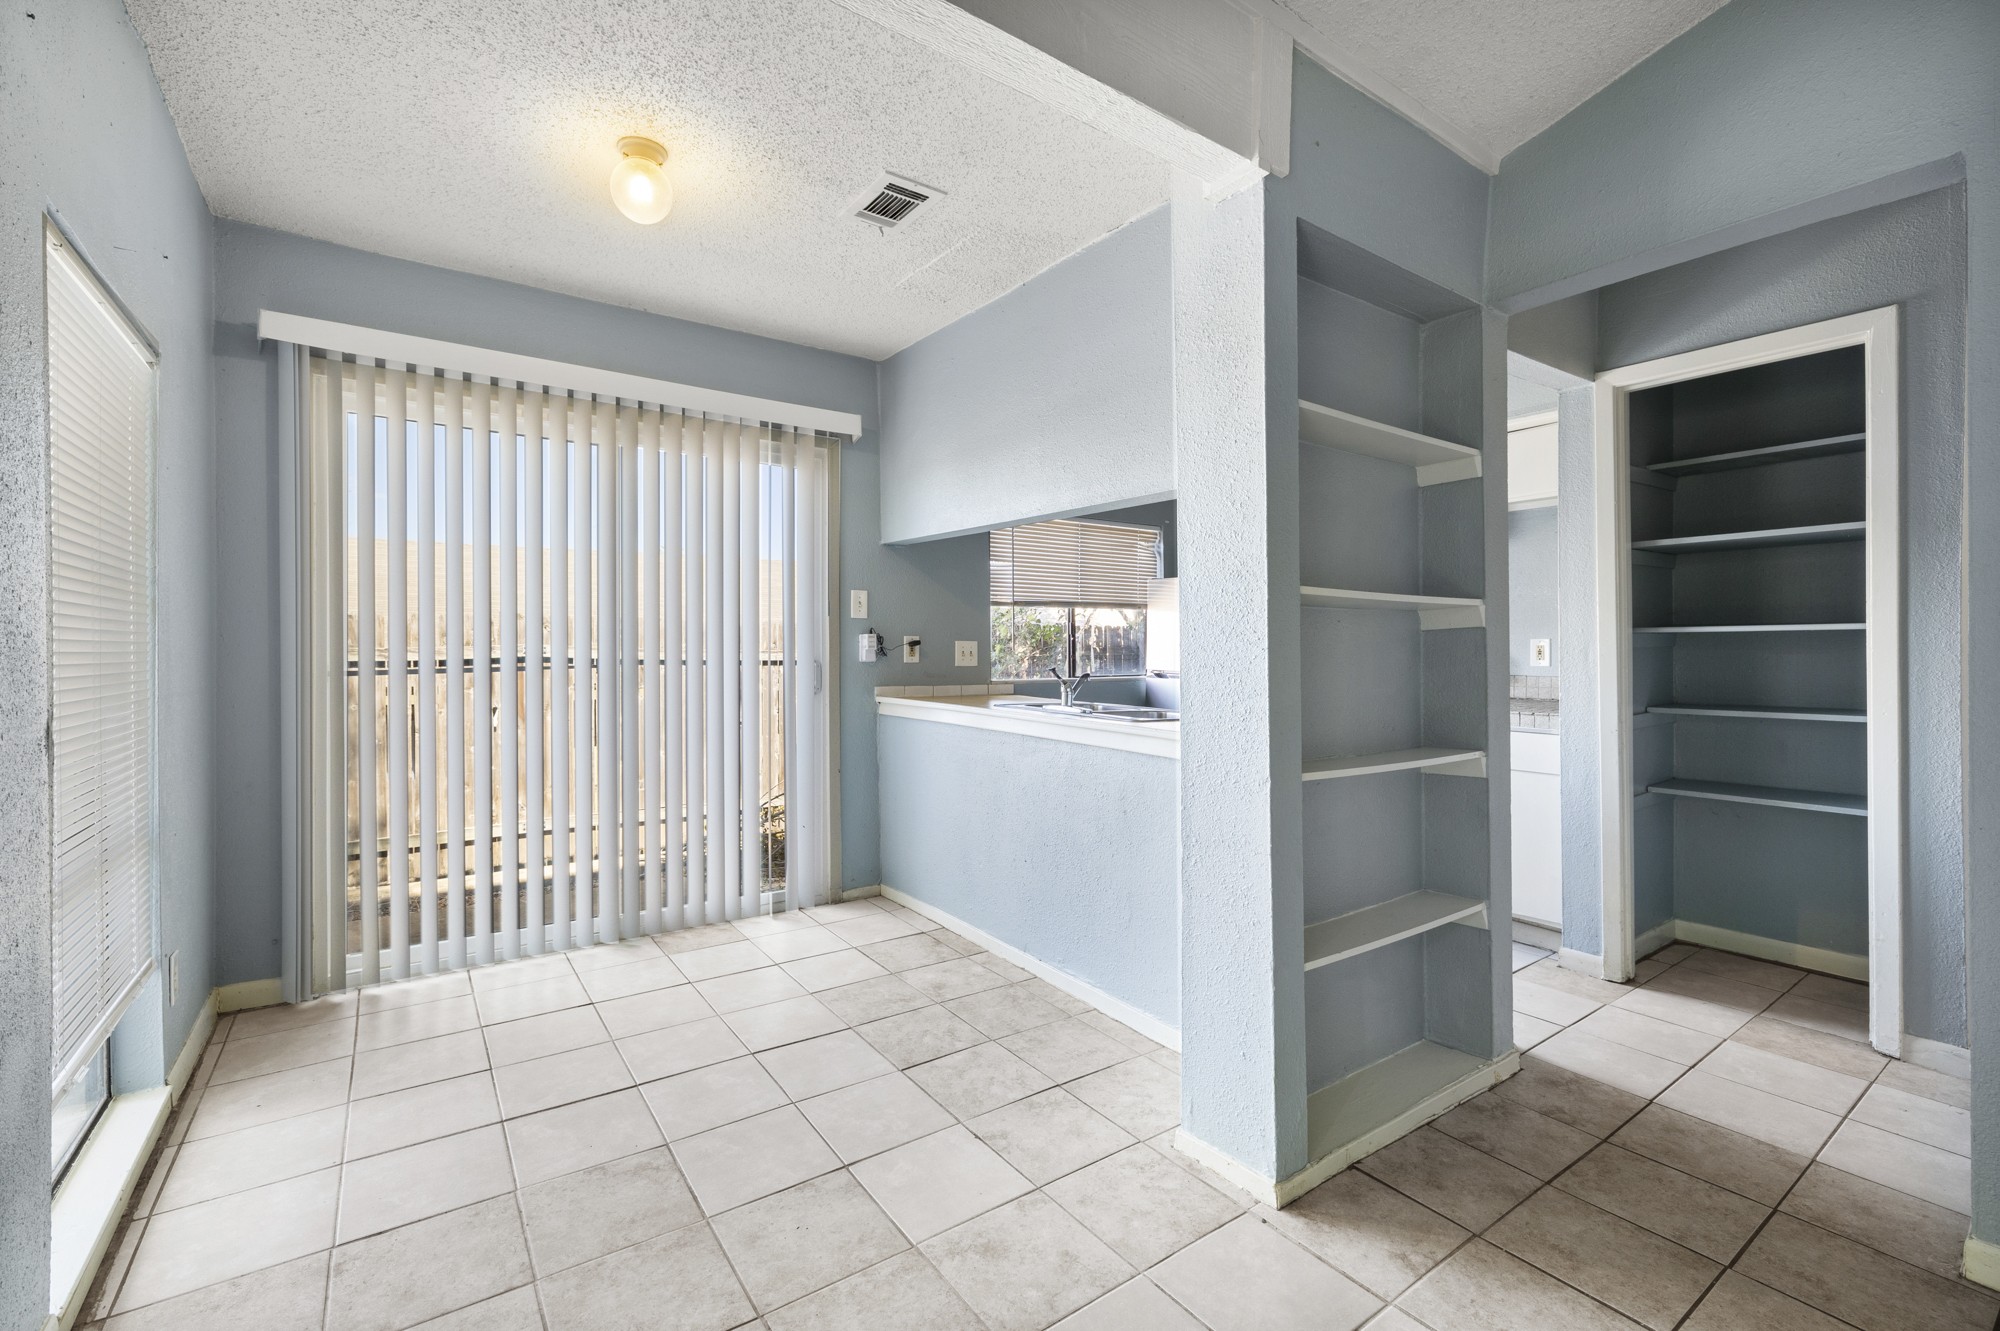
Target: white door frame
(1876,332)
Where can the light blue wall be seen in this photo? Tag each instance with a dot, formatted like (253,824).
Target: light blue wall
(257,268)
(1053,400)
(1769,106)
(85,135)
(1065,851)
(1531,588)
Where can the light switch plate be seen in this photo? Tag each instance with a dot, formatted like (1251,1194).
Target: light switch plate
(965,653)
(857,605)
(1538,651)
(909,649)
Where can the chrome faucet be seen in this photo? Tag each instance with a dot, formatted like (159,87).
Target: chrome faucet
(1069,686)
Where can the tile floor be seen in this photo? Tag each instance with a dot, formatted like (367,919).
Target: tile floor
(855,1120)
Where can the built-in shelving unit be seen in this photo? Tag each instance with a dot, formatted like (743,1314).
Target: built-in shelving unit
(1762,457)
(1750,535)
(1392,921)
(1750,540)
(1396,808)
(1462,762)
(1762,713)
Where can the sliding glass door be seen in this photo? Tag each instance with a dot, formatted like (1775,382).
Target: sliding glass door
(570,667)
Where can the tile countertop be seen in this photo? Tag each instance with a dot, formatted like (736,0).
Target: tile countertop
(1160,739)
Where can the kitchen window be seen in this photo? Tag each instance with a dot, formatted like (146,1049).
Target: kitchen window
(1070,596)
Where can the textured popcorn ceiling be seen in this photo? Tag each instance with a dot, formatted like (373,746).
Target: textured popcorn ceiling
(1498,72)
(480,136)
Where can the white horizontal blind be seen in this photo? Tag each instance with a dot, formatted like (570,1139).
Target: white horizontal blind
(1074,563)
(578,703)
(100,583)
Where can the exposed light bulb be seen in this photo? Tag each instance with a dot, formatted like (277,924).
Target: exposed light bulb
(639,184)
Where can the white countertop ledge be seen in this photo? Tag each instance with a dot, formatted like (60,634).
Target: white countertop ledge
(1159,739)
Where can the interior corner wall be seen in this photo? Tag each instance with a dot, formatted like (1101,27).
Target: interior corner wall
(85,135)
(258,269)
(1052,401)
(1765,107)
(1531,588)
(1910,254)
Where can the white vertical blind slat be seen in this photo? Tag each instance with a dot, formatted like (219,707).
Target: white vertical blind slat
(562,853)
(366,838)
(749,669)
(729,675)
(505,707)
(534,725)
(673,688)
(630,754)
(398,647)
(480,653)
(583,798)
(427,657)
(453,820)
(648,464)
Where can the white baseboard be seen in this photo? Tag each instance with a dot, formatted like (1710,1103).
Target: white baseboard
(249,994)
(1982,1262)
(1583,963)
(1117,1009)
(190,1055)
(856,893)
(1939,1057)
(1655,938)
(1847,965)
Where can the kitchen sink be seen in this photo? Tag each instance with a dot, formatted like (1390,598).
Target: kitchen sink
(1096,711)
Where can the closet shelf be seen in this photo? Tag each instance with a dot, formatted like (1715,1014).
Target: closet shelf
(1392,921)
(1435,460)
(1433,612)
(1762,713)
(1461,762)
(1826,533)
(1814,801)
(1756,628)
(1763,457)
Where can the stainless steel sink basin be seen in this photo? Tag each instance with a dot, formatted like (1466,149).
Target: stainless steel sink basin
(1096,711)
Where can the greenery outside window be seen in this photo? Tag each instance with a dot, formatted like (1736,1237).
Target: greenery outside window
(1071,596)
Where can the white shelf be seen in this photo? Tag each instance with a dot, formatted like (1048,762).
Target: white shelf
(1763,457)
(1433,612)
(1402,917)
(1756,628)
(1366,1110)
(1763,713)
(1435,460)
(1813,801)
(1450,762)
(1826,533)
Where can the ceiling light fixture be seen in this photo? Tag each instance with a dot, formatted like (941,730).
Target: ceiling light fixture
(639,184)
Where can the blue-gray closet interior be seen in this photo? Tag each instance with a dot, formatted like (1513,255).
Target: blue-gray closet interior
(1749,739)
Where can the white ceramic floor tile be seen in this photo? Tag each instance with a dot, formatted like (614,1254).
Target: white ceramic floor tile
(538,1037)
(1613,1064)
(1941,1177)
(1944,1126)
(1770,1118)
(544,1083)
(1247,1277)
(1806,1083)
(798,944)
(871,1117)
(231,1236)
(397,1187)
(789,1022)
(693,1102)
(1551,1005)
(218,1166)
(931,1184)
(1531,1031)
(435,1109)
(1649,1035)
(833,969)
(816,1066)
(751,1158)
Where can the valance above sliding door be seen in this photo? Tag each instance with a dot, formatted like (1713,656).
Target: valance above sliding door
(566,668)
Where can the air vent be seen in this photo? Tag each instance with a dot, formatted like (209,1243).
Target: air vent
(892,200)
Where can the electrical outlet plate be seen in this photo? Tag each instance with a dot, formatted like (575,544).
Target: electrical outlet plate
(909,649)
(1538,651)
(868,646)
(965,653)
(857,605)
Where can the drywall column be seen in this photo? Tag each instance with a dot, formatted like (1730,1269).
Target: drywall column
(1242,959)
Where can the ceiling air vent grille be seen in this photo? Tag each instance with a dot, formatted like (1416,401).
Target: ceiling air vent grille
(892,200)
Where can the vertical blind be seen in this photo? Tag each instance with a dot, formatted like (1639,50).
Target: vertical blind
(101,647)
(1073,563)
(572,670)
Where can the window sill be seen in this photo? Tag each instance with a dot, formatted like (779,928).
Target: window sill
(94,1194)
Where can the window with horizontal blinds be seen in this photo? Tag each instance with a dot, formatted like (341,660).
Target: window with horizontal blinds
(101,649)
(570,661)
(1074,563)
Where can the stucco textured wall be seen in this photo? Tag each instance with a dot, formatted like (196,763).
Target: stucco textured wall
(1053,400)
(1065,851)
(85,136)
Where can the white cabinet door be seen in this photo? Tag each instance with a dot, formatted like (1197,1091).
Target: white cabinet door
(1537,828)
